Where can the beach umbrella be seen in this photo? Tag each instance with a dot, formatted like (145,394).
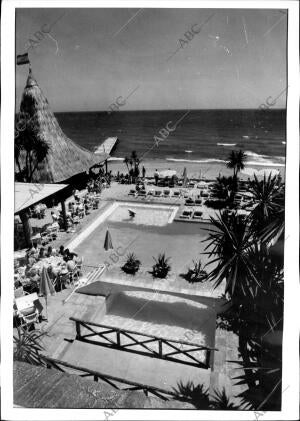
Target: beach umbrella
(268,171)
(249,171)
(108,242)
(167,173)
(184,175)
(260,173)
(46,286)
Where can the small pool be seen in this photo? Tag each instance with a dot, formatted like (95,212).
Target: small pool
(145,214)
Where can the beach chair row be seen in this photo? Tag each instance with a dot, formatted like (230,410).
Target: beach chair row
(168,193)
(190,214)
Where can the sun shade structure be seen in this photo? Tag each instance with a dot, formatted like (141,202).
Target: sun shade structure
(27,194)
(65,158)
(167,173)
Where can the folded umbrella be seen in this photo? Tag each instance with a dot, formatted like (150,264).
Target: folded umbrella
(108,242)
(46,286)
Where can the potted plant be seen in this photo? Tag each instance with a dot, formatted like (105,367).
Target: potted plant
(132,264)
(161,267)
(196,273)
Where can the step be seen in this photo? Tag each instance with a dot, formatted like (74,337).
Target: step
(145,370)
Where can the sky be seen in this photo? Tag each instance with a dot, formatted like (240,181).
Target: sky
(149,58)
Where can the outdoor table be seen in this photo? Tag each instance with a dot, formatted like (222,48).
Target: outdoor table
(20,257)
(54,261)
(36,239)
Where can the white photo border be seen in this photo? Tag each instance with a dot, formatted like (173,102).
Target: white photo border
(290,379)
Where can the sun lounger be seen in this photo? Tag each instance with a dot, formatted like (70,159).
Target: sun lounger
(150,181)
(176,193)
(142,193)
(186,215)
(166,193)
(28,309)
(197,215)
(191,184)
(198,202)
(150,192)
(189,202)
(157,193)
(132,193)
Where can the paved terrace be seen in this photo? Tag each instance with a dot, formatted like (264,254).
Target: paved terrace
(61,330)
(90,307)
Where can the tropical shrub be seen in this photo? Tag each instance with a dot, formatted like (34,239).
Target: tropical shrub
(161,267)
(197,395)
(217,203)
(28,347)
(132,264)
(196,273)
(267,218)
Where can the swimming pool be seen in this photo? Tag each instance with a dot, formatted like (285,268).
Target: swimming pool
(151,215)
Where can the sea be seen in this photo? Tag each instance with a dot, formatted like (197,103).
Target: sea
(194,136)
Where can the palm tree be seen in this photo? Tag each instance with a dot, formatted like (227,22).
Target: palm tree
(30,151)
(236,161)
(268,215)
(230,243)
(126,162)
(225,187)
(254,283)
(220,188)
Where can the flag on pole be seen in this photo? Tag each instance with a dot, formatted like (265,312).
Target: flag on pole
(22,59)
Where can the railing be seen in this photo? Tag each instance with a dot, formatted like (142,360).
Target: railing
(162,346)
(112,380)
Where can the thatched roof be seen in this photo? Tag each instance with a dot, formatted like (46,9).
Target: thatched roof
(65,158)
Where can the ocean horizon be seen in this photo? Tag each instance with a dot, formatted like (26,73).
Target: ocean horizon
(201,136)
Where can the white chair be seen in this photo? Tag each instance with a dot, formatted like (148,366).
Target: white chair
(29,309)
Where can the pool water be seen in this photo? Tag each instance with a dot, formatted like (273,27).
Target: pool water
(159,215)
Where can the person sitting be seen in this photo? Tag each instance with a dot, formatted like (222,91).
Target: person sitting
(76,195)
(61,250)
(49,251)
(71,265)
(33,249)
(66,253)
(42,253)
(72,255)
(54,216)
(31,260)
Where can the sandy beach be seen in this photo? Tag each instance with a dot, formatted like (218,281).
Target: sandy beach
(208,171)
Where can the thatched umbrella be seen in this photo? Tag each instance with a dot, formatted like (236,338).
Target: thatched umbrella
(65,158)
(108,241)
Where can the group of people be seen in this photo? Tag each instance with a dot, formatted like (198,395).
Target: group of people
(98,184)
(29,276)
